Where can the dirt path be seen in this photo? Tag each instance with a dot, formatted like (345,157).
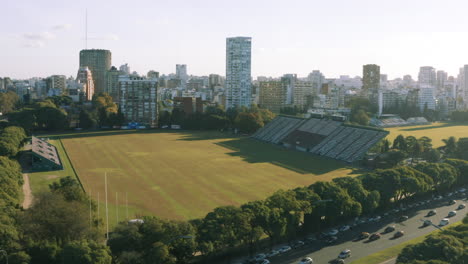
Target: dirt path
(27,192)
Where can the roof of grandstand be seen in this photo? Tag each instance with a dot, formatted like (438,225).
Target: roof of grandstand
(44,149)
(396,121)
(325,137)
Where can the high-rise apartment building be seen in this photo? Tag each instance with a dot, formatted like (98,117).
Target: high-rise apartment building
(463,84)
(238,72)
(427,97)
(58,83)
(112,83)
(371,82)
(215,80)
(85,77)
(181,72)
(302,93)
(317,79)
(427,76)
(289,80)
(99,62)
(139,99)
(441,79)
(124,68)
(272,95)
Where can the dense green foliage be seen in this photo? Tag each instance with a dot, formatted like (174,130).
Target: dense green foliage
(247,120)
(446,247)
(8,102)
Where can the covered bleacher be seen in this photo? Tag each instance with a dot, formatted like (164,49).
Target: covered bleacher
(323,137)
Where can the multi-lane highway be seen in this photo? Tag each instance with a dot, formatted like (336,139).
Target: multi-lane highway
(323,253)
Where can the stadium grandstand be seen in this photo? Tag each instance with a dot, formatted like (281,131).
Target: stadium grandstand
(44,156)
(396,121)
(324,137)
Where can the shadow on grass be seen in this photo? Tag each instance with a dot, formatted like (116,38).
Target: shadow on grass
(259,152)
(434,126)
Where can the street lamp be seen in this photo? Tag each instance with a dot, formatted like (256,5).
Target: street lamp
(4,254)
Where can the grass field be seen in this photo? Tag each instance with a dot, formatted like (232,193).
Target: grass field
(435,131)
(184,175)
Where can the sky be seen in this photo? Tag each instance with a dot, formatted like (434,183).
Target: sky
(39,38)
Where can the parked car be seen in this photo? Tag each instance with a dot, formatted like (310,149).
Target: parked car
(345,254)
(344,228)
(284,249)
(399,234)
(452,202)
(427,222)
(260,256)
(272,253)
(461,206)
(438,197)
(452,213)
(298,244)
(363,235)
(311,238)
(374,237)
(403,218)
(461,190)
(431,213)
(337,261)
(331,239)
(264,261)
(332,232)
(306,260)
(389,229)
(444,222)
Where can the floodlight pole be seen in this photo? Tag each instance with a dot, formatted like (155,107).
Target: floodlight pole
(107,210)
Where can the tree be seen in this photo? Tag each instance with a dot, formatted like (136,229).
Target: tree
(7,149)
(85,252)
(360,117)
(248,122)
(450,146)
(51,118)
(52,217)
(400,143)
(8,102)
(86,120)
(70,189)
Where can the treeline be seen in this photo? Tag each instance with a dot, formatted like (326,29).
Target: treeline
(247,120)
(445,247)
(8,102)
(281,217)
(103,113)
(459,116)
(418,149)
(42,115)
(11,180)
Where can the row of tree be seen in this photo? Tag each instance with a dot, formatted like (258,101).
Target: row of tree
(445,247)
(247,120)
(8,102)
(459,116)
(42,115)
(282,216)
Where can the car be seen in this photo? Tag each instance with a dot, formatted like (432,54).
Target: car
(444,222)
(264,261)
(374,237)
(438,197)
(431,213)
(331,239)
(345,254)
(449,194)
(396,210)
(452,213)
(452,202)
(461,206)
(344,228)
(284,249)
(377,218)
(363,235)
(461,190)
(260,257)
(272,253)
(332,232)
(389,229)
(337,261)
(403,218)
(298,244)
(427,222)
(311,238)
(386,214)
(399,234)
(307,260)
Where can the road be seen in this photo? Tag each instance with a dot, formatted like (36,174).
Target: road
(27,192)
(323,253)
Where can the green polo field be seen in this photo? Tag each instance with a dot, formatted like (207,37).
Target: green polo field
(435,131)
(184,175)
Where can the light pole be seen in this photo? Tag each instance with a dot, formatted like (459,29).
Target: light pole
(4,254)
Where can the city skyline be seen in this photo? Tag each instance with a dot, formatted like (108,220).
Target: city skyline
(398,36)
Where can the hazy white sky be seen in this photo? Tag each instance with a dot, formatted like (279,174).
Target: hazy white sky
(44,37)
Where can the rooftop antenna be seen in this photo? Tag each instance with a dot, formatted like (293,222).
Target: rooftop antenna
(86,28)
